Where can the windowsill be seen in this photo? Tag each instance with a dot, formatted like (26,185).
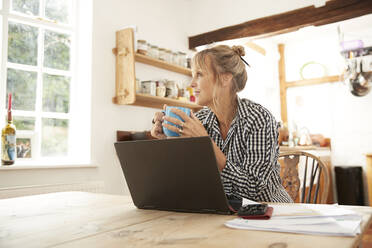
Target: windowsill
(41,165)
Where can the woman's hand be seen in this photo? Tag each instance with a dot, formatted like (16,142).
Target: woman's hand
(191,127)
(157,129)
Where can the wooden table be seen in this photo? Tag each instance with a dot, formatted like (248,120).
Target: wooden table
(77,219)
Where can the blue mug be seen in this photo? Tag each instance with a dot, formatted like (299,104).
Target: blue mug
(168,112)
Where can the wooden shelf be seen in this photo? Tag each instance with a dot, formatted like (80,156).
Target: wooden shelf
(126,75)
(158,102)
(161,64)
(312,81)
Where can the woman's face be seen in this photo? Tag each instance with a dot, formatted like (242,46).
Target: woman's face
(203,84)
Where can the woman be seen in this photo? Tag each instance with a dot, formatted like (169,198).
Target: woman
(244,133)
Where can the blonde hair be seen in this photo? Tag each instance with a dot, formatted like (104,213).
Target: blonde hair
(224,59)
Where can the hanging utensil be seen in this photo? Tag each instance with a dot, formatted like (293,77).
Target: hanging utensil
(360,86)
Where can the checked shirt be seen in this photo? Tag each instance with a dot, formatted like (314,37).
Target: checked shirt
(251,149)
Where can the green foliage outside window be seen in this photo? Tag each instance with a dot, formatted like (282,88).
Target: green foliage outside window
(56,93)
(28,7)
(57,50)
(24,123)
(57,10)
(22,44)
(22,85)
(54,137)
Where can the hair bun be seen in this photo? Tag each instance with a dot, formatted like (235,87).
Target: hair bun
(239,50)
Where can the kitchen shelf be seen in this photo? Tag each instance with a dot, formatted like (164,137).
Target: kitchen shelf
(158,102)
(312,81)
(161,64)
(126,76)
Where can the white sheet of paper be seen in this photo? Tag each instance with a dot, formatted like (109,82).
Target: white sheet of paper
(305,219)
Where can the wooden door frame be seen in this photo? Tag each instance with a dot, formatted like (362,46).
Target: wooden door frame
(284,84)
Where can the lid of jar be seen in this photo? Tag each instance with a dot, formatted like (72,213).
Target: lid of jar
(162,49)
(141,41)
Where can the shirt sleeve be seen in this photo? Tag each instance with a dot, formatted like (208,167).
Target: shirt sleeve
(257,178)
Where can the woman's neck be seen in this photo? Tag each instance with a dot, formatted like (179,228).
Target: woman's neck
(226,110)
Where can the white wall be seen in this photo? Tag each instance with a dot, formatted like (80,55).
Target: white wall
(163,23)
(208,15)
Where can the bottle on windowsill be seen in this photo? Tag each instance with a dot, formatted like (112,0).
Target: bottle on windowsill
(8,138)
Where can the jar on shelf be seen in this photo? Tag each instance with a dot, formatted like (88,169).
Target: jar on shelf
(181,59)
(171,89)
(188,61)
(178,59)
(149,50)
(168,56)
(142,47)
(174,58)
(154,51)
(160,89)
(162,54)
(148,87)
(181,93)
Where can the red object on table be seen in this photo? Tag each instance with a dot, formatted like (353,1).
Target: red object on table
(265,216)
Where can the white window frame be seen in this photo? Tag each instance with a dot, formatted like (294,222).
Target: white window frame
(80,83)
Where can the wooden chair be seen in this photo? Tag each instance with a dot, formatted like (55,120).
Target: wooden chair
(313,182)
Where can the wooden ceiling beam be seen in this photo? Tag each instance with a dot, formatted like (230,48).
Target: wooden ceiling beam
(333,11)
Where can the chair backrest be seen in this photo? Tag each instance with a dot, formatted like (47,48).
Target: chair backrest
(304,176)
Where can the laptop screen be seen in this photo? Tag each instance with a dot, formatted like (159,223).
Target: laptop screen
(178,174)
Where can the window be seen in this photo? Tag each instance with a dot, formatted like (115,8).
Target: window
(40,69)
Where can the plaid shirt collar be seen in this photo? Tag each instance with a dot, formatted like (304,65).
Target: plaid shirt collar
(241,113)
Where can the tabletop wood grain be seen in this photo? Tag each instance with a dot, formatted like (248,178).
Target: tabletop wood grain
(79,219)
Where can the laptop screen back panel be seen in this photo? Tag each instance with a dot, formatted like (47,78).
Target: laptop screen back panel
(173,174)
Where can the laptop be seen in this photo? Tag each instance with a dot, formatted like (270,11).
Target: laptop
(178,174)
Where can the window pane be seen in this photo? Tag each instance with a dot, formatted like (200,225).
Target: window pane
(22,44)
(57,50)
(28,7)
(58,10)
(24,123)
(22,85)
(54,137)
(23,147)
(56,93)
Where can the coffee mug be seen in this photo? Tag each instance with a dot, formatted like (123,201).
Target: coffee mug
(168,112)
